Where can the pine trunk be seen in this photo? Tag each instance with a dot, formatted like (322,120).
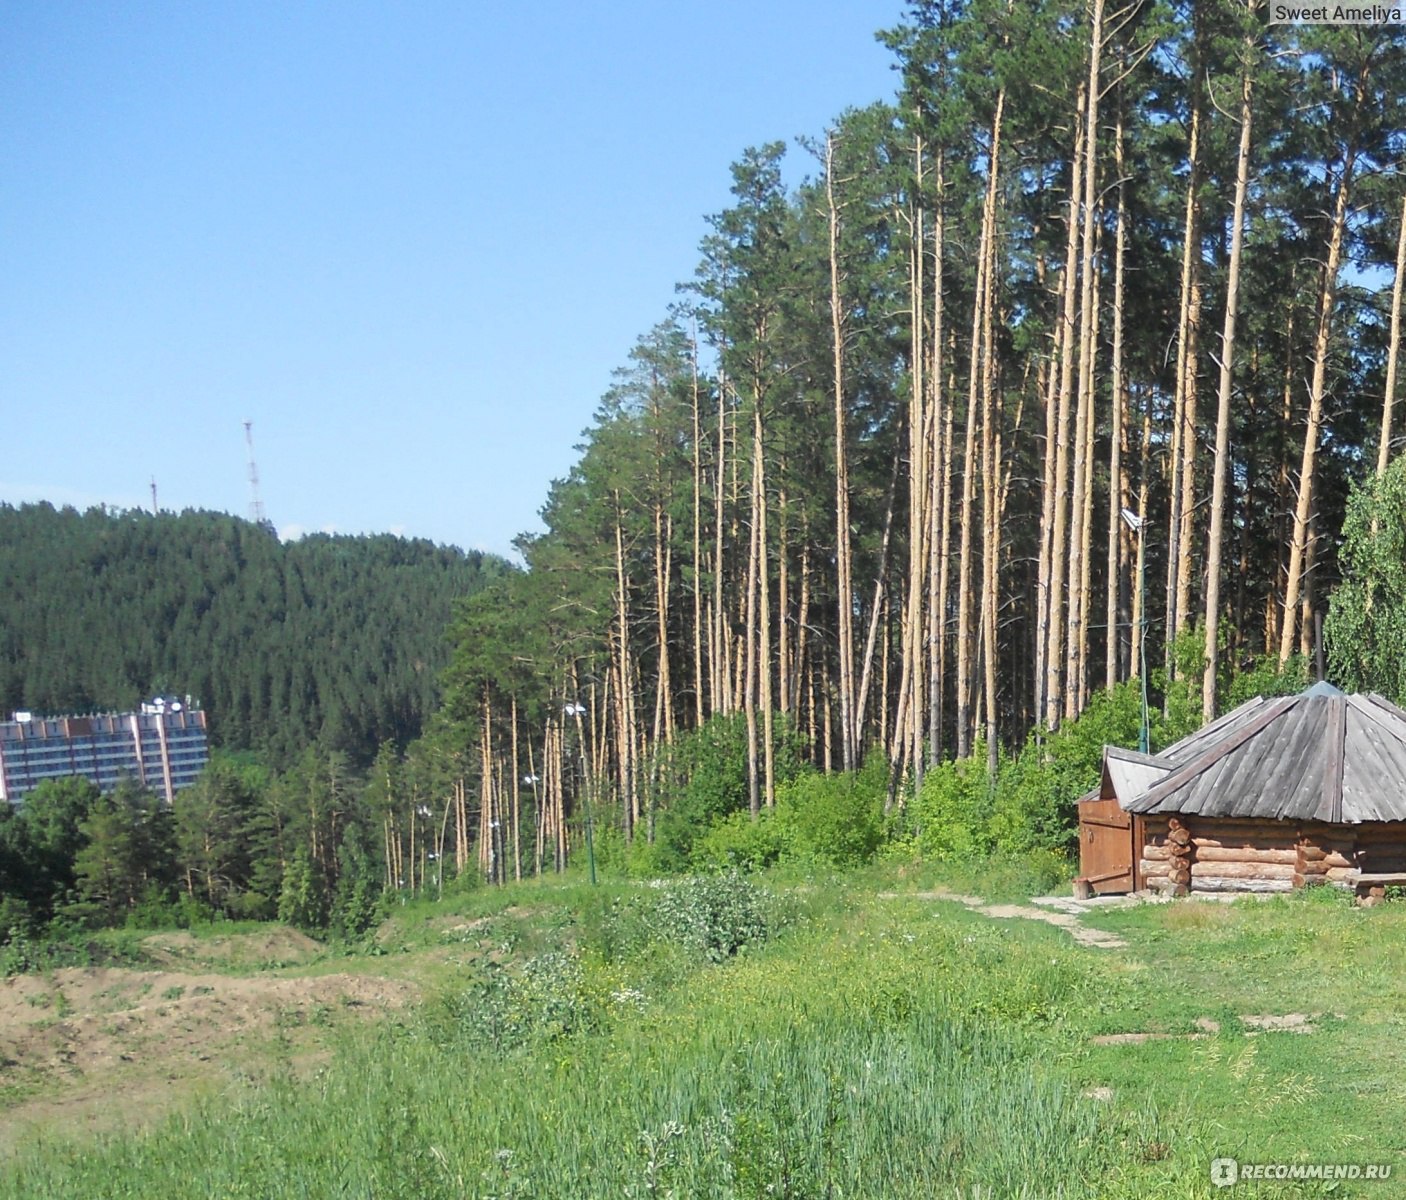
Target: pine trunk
(1299,550)
(1058,498)
(844,580)
(1223,397)
(1393,348)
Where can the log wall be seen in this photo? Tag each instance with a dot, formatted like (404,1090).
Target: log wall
(1209,854)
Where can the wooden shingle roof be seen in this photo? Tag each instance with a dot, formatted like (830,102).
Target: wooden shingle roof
(1319,756)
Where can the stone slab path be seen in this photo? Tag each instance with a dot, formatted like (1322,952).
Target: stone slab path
(1054,910)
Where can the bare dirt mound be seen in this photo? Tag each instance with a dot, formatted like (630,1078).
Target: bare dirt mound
(77,1039)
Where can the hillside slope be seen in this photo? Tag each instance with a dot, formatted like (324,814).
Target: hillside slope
(330,637)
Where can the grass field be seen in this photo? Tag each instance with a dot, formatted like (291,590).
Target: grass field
(867,1039)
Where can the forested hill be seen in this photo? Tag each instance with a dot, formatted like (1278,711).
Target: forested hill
(333,638)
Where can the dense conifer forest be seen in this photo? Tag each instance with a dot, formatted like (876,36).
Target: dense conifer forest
(335,640)
(1064,360)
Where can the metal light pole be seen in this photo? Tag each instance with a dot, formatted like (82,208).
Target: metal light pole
(1137,524)
(573,709)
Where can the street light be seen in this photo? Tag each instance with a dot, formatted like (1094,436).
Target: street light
(1137,524)
(575,709)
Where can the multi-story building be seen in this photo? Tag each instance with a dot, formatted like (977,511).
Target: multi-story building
(163,747)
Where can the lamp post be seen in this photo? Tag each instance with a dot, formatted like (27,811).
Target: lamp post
(573,709)
(1137,524)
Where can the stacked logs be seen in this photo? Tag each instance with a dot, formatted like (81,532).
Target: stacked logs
(1245,855)
(1223,855)
(1325,855)
(1168,856)
(1181,854)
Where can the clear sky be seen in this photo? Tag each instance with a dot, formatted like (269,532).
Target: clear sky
(409,241)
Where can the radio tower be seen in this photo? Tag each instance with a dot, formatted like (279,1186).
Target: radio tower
(256,506)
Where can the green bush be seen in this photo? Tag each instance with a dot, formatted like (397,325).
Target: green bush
(713,915)
(707,916)
(834,819)
(738,841)
(706,780)
(544,1001)
(159,909)
(1264,677)
(952,812)
(16,919)
(1031,805)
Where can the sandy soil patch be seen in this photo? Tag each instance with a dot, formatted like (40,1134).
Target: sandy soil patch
(85,1045)
(1254,1023)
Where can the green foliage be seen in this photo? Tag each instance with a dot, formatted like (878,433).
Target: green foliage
(1264,677)
(714,915)
(125,852)
(707,780)
(953,810)
(214,832)
(40,840)
(332,639)
(16,919)
(1366,626)
(1030,805)
(708,917)
(158,908)
(835,819)
(356,902)
(17,955)
(542,1001)
(302,902)
(738,841)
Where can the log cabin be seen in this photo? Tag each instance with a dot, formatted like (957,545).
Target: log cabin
(1277,794)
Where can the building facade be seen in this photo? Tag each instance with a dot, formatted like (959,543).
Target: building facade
(163,747)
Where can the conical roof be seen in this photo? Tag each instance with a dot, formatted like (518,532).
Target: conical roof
(1318,756)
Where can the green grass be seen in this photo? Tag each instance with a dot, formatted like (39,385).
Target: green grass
(904,1048)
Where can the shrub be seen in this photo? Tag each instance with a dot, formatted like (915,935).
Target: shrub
(835,819)
(713,915)
(158,909)
(16,919)
(738,841)
(706,780)
(1265,677)
(544,1001)
(953,809)
(1031,804)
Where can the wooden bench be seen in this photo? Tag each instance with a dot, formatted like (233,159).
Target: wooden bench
(1371,886)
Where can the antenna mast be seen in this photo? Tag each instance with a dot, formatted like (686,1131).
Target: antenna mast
(154,510)
(256,506)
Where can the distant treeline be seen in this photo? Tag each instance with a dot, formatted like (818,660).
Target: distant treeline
(329,639)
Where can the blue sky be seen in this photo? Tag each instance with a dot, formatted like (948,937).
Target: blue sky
(408,241)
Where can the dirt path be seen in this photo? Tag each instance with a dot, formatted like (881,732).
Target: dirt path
(1056,911)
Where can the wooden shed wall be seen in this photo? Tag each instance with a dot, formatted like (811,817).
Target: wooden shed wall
(1219,854)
